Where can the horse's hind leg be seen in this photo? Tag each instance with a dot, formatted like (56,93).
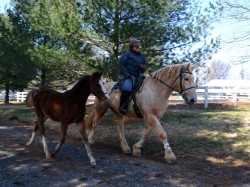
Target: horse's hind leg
(64,128)
(40,124)
(86,142)
(137,146)
(93,119)
(33,134)
(120,128)
(41,121)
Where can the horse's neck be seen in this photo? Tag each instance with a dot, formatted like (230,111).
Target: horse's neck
(162,91)
(83,95)
(80,95)
(161,84)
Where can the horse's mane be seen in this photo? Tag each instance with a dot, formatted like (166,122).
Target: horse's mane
(170,70)
(72,91)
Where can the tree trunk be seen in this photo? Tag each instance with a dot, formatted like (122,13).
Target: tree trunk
(116,38)
(43,79)
(7,93)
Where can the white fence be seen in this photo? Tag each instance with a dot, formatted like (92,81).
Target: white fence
(211,94)
(205,95)
(21,96)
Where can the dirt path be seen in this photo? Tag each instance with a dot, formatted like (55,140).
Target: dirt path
(21,166)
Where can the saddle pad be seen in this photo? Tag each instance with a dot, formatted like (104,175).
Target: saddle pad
(139,83)
(137,87)
(117,86)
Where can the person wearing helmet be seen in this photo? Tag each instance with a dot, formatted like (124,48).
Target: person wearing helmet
(132,64)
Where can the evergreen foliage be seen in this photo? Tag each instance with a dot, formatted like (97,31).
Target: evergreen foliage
(51,41)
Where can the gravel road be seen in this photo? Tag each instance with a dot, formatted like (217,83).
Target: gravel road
(22,166)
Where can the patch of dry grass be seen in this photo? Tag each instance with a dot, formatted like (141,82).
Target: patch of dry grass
(218,134)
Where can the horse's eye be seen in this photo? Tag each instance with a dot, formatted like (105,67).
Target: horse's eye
(186,79)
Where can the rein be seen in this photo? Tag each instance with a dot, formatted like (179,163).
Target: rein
(179,76)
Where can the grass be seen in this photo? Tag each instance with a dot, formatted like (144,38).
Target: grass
(216,135)
(221,134)
(17,111)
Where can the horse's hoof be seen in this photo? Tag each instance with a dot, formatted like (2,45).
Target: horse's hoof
(28,144)
(136,151)
(171,161)
(93,163)
(170,157)
(53,155)
(136,154)
(48,156)
(91,142)
(127,152)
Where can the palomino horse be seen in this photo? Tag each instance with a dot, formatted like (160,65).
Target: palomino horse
(67,107)
(152,101)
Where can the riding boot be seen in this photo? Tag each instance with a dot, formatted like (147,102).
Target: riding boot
(124,102)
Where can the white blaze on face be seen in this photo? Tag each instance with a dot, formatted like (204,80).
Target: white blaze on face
(103,88)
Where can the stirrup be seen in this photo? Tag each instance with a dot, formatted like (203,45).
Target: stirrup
(123,111)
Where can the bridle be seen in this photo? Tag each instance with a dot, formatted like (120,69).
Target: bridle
(179,76)
(94,92)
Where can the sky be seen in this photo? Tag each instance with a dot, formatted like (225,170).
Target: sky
(2,4)
(230,52)
(227,30)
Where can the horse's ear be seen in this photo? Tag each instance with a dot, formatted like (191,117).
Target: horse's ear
(191,67)
(97,75)
(188,67)
(185,68)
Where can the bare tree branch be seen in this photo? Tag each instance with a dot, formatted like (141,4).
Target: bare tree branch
(239,12)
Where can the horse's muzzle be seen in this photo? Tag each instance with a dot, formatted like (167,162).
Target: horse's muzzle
(190,101)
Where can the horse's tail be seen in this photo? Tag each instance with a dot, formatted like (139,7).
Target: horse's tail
(94,111)
(29,98)
(89,119)
(98,111)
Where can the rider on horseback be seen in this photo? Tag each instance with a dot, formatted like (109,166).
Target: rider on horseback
(132,64)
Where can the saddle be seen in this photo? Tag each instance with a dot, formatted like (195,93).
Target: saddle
(136,88)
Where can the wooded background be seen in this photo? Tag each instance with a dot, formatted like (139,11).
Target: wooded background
(50,43)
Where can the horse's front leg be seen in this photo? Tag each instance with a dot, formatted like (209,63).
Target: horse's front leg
(64,128)
(155,124)
(86,142)
(120,128)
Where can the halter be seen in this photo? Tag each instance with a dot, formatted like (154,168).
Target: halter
(91,87)
(179,76)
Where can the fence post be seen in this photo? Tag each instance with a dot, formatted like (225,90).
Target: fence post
(17,96)
(206,97)
(21,96)
(235,98)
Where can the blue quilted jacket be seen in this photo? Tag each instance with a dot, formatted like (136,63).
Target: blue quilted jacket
(130,63)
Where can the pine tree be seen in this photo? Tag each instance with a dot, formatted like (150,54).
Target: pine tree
(171,31)
(16,68)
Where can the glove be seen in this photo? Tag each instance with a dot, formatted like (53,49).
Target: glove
(128,76)
(142,68)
